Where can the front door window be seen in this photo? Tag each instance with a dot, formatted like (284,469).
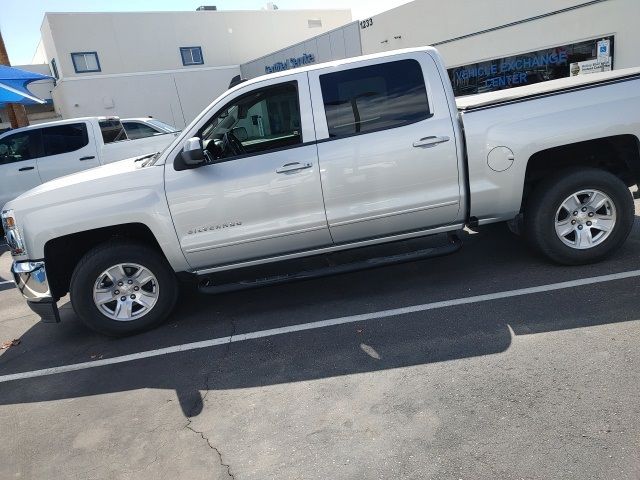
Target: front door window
(18,147)
(263,120)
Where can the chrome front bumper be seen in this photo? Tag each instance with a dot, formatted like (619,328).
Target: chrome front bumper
(31,280)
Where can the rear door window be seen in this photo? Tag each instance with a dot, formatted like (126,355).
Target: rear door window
(64,138)
(376,97)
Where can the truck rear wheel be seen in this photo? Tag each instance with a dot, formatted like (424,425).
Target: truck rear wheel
(579,216)
(123,288)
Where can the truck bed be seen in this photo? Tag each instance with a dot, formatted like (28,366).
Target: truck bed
(500,97)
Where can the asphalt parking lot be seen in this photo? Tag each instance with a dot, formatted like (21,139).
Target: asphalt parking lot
(342,380)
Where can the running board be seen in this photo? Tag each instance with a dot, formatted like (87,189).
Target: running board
(453,244)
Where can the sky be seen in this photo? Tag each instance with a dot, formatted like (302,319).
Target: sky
(20,20)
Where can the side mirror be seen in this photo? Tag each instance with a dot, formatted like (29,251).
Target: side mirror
(191,156)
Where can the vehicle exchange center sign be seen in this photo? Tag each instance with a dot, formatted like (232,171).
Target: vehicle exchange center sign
(293,62)
(511,72)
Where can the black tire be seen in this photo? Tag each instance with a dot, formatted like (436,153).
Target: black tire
(105,256)
(543,203)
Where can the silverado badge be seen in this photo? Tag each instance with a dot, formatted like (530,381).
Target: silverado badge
(214,227)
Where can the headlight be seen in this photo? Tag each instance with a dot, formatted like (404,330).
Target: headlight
(12,234)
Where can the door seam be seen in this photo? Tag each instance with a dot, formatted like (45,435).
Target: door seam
(315,137)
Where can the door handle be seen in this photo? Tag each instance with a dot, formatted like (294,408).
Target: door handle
(90,157)
(430,141)
(24,169)
(293,167)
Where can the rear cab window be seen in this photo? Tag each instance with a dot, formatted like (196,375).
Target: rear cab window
(375,97)
(112,130)
(138,130)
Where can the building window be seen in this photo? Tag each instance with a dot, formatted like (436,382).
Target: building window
(533,67)
(378,97)
(54,69)
(84,62)
(191,56)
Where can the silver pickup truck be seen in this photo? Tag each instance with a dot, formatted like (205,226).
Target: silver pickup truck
(336,156)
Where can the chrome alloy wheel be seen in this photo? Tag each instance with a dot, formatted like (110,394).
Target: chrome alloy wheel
(585,219)
(125,292)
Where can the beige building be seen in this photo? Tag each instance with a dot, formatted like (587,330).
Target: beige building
(490,44)
(169,65)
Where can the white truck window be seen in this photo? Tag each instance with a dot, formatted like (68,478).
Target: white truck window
(18,147)
(165,127)
(137,130)
(264,119)
(112,131)
(64,138)
(377,97)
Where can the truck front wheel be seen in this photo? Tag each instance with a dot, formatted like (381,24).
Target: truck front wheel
(579,216)
(122,288)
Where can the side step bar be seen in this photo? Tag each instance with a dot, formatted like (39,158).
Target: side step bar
(453,244)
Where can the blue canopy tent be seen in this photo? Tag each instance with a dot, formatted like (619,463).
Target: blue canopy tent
(13,86)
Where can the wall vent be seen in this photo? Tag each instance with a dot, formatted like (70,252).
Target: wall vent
(314,23)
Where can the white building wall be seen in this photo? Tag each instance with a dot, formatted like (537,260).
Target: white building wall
(175,97)
(430,22)
(42,88)
(40,56)
(47,47)
(141,66)
(337,44)
(150,41)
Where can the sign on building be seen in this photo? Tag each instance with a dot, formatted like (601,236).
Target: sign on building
(591,66)
(533,67)
(604,50)
(293,62)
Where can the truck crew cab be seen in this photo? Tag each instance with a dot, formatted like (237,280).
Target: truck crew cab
(330,157)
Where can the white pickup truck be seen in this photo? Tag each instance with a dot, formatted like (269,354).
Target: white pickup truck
(336,156)
(33,155)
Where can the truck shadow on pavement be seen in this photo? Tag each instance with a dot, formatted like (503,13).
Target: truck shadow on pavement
(492,261)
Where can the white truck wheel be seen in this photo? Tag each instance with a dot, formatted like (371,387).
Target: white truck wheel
(122,288)
(579,216)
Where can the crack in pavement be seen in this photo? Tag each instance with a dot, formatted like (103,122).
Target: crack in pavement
(202,435)
(212,447)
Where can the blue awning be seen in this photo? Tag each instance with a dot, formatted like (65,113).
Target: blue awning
(13,86)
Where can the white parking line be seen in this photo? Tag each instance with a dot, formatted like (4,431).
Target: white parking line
(319,324)
(8,281)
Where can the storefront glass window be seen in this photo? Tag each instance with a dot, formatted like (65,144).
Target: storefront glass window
(533,67)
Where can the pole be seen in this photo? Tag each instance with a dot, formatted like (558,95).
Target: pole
(17,113)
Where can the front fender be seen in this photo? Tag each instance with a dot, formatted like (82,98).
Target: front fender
(127,196)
